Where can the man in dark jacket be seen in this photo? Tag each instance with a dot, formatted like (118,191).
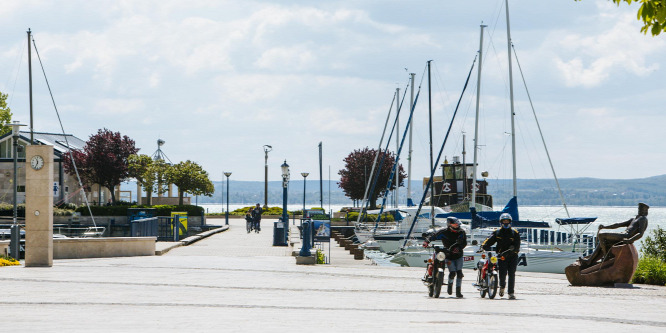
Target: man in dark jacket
(454,240)
(508,246)
(256,217)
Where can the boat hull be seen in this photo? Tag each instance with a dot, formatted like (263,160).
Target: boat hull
(530,260)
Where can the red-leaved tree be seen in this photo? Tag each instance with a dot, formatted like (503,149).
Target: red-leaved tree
(104,160)
(356,174)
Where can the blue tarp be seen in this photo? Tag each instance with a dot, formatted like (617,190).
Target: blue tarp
(575,220)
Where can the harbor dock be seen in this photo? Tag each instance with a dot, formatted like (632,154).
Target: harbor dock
(234,281)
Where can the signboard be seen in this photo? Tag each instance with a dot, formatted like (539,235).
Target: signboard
(310,213)
(182,216)
(321,230)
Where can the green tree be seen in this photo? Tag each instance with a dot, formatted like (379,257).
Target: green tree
(652,13)
(151,174)
(190,178)
(5,114)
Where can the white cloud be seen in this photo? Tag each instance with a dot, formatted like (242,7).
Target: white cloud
(590,61)
(114,107)
(290,58)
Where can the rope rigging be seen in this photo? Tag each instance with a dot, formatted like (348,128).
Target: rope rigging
(62,128)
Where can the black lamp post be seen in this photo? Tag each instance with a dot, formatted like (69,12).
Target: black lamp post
(267,148)
(285,216)
(15,240)
(305,175)
(226,215)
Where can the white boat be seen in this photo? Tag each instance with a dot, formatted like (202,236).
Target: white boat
(530,259)
(389,239)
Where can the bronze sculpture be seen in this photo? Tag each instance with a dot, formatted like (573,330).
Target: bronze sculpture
(615,258)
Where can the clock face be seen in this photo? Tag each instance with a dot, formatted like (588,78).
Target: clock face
(36,162)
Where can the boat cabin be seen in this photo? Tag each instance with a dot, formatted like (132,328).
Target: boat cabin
(454,186)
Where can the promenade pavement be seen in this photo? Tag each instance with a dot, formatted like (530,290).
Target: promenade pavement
(238,282)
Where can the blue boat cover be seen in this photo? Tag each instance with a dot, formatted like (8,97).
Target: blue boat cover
(575,220)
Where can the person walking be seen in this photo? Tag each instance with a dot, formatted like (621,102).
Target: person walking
(249,221)
(508,246)
(256,217)
(454,240)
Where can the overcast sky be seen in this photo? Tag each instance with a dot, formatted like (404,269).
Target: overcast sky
(217,80)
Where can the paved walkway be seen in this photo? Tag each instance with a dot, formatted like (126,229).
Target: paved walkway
(237,282)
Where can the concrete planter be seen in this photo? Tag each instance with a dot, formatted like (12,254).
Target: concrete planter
(77,248)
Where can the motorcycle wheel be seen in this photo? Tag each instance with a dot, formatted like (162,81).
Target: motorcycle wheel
(439,280)
(482,289)
(492,286)
(431,289)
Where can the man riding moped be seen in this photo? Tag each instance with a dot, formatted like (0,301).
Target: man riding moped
(508,246)
(454,239)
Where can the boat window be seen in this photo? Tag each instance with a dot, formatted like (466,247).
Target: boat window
(448,172)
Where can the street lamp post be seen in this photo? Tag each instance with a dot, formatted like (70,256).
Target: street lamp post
(285,216)
(267,148)
(15,240)
(226,215)
(305,175)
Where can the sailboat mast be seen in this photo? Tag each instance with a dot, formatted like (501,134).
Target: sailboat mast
(476,119)
(409,153)
(432,181)
(464,168)
(513,115)
(397,146)
(30,84)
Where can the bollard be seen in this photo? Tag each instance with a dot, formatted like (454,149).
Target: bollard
(359,254)
(15,242)
(305,248)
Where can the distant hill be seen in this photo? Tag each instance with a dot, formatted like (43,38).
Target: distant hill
(576,191)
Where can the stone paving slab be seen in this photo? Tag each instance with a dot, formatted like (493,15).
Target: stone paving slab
(238,282)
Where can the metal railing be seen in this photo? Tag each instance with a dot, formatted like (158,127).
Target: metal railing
(144,227)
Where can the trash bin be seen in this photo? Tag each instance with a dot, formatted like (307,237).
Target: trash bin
(278,234)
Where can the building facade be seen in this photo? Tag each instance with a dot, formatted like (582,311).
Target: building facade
(66,188)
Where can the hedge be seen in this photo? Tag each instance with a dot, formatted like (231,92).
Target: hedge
(8,210)
(650,270)
(353,216)
(269,211)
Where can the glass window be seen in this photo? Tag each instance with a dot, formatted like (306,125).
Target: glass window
(448,172)
(5,149)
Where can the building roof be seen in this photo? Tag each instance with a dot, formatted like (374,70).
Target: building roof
(60,142)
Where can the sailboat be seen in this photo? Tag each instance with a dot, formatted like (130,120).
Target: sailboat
(531,258)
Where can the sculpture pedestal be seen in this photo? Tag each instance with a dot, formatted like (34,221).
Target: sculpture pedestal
(619,267)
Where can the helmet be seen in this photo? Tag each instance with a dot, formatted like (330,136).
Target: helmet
(505,220)
(453,222)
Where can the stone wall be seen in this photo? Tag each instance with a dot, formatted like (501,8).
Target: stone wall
(77,248)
